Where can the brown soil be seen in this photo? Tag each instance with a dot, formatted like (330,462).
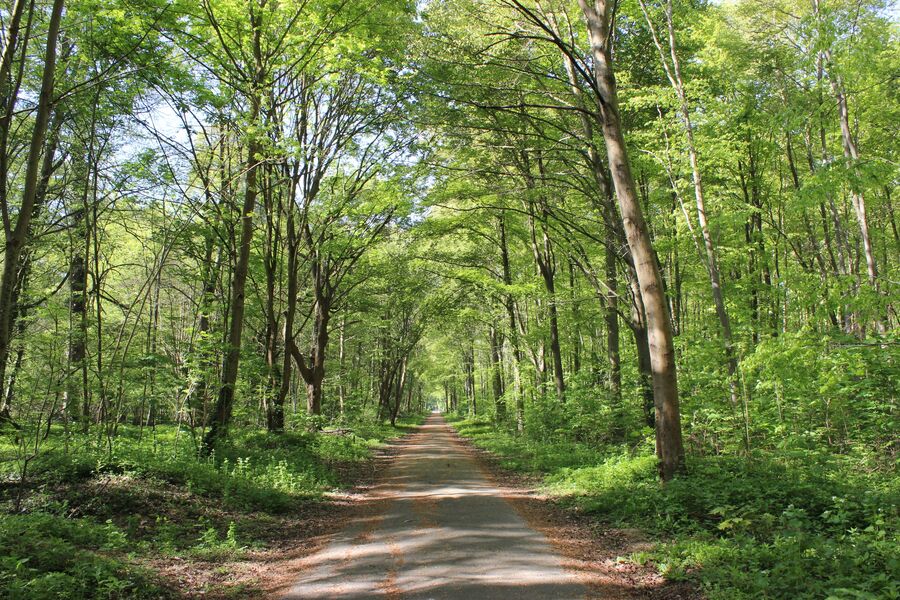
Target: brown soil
(288,541)
(279,542)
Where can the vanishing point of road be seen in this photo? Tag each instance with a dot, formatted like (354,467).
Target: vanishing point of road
(437,528)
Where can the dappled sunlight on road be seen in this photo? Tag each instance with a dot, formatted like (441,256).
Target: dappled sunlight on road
(436,527)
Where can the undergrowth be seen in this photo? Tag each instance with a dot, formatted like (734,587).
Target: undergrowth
(90,515)
(774,524)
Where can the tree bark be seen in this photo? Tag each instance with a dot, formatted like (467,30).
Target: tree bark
(17,236)
(497,375)
(225,402)
(312,370)
(670,448)
(398,391)
(673,73)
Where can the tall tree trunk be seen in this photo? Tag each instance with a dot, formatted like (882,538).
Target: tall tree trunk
(289,314)
(314,393)
(98,280)
(851,152)
(313,372)
(842,244)
(670,448)
(312,369)
(614,366)
(673,73)
(398,391)
(274,409)
(17,236)
(152,336)
(555,349)
(576,321)
(76,389)
(510,304)
(77,395)
(469,366)
(543,257)
(18,317)
(9,93)
(314,389)
(11,45)
(497,374)
(225,402)
(341,360)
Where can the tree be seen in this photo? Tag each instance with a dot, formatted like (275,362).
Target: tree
(17,233)
(673,74)
(251,76)
(659,324)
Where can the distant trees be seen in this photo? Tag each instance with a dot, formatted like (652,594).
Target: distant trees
(247,71)
(270,120)
(304,114)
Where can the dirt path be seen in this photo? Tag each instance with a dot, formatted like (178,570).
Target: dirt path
(437,528)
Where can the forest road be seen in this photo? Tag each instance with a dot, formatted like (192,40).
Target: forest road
(436,528)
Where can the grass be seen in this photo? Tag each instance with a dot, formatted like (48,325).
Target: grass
(771,525)
(94,519)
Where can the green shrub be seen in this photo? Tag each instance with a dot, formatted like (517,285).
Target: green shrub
(210,546)
(48,556)
(776,524)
